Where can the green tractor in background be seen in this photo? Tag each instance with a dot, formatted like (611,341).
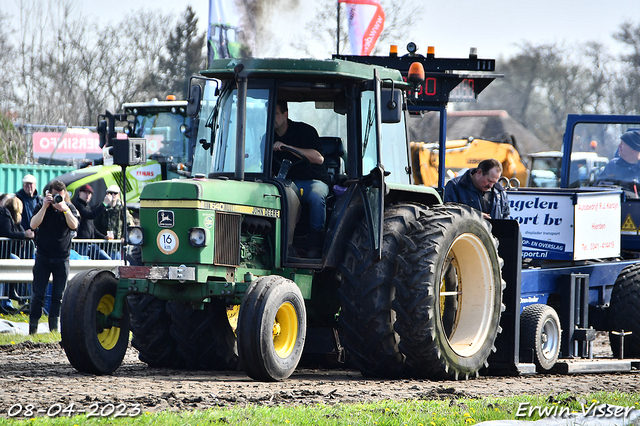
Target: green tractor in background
(171,138)
(405,286)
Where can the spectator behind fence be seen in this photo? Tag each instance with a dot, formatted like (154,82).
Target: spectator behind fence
(55,220)
(30,199)
(87,229)
(10,227)
(109,222)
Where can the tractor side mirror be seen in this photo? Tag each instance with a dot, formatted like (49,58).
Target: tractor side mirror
(195,97)
(391,105)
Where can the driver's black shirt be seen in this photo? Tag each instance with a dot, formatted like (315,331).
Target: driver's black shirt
(301,135)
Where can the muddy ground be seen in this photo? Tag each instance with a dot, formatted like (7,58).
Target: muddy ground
(39,374)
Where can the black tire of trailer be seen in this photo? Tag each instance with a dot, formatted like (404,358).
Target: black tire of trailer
(439,338)
(366,292)
(540,335)
(89,297)
(150,325)
(271,328)
(204,337)
(623,310)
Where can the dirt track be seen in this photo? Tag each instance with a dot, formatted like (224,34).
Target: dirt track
(40,374)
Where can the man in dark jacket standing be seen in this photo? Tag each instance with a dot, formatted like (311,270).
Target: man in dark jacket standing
(479,188)
(30,199)
(55,218)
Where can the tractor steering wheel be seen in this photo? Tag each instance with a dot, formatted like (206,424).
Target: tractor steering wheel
(301,160)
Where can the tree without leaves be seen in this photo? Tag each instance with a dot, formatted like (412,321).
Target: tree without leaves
(543,84)
(184,57)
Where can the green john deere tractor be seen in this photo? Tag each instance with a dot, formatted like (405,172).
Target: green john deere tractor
(404,287)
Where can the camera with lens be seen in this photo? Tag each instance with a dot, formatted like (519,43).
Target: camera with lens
(57,199)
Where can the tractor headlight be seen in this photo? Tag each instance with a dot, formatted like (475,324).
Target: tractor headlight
(197,237)
(135,236)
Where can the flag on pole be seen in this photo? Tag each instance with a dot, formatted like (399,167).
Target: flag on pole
(366,21)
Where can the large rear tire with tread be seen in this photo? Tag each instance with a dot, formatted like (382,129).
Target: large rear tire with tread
(623,310)
(366,293)
(205,340)
(150,325)
(90,347)
(540,334)
(271,328)
(448,293)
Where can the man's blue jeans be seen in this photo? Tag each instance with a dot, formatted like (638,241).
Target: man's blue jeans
(314,193)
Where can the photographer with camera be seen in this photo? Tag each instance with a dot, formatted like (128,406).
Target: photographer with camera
(55,218)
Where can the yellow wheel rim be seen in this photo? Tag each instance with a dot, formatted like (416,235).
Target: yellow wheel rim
(108,338)
(285,330)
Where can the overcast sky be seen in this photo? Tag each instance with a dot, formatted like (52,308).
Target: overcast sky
(494,27)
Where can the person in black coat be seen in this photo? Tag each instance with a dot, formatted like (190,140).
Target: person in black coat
(10,227)
(87,229)
(479,188)
(56,219)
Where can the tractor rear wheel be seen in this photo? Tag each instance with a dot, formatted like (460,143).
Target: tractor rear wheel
(448,293)
(92,346)
(366,293)
(271,328)
(150,325)
(622,313)
(540,334)
(204,337)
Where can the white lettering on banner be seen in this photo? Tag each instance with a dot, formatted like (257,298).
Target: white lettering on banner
(75,143)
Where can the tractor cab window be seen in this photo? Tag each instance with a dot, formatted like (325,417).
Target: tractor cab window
(394,151)
(598,157)
(162,130)
(224,145)
(369,135)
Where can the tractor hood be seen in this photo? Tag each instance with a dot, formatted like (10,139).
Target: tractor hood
(207,194)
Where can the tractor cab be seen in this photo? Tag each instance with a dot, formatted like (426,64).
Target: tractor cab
(343,111)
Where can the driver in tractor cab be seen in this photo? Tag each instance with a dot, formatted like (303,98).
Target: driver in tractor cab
(309,174)
(626,166)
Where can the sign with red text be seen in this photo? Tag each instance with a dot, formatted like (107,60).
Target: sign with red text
(597,222)
(567,226)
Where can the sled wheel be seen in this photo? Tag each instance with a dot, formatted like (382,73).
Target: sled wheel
(150,325)
(366,293)
(90,346)
(271,328)
(622,313)
(540,334)
(204,336)
(448,293)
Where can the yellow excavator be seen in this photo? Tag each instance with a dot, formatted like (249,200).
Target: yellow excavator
(463,154)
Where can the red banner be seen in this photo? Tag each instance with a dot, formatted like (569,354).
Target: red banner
(366,22)
(76,143)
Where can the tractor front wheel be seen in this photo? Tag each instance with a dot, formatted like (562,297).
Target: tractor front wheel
(91,345)
(271,328)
